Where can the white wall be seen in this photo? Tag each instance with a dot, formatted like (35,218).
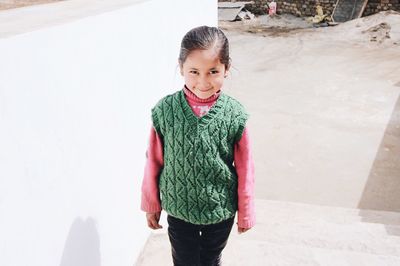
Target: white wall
(75,103)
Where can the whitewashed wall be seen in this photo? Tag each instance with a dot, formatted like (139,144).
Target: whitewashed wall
(75,103)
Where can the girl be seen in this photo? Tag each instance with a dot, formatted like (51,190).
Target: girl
(199,167)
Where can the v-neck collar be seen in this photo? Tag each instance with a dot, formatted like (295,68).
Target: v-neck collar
(205,119)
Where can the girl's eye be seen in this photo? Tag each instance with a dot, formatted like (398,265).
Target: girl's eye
(193,72)
(214,72)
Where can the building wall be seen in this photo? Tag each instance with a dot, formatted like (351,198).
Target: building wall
(375,6)
(75,100)
(307,7)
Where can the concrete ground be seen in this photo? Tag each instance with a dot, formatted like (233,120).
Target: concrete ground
(325,116)
(296,234)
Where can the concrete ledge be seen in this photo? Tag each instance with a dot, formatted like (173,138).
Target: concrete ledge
(30,18)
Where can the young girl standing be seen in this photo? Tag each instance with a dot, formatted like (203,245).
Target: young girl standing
(199,166)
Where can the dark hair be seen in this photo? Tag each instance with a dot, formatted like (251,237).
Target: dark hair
(203,38)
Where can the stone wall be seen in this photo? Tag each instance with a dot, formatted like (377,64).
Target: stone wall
(307,7)
(375,6)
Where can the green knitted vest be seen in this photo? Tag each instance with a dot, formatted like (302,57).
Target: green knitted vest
(198,182)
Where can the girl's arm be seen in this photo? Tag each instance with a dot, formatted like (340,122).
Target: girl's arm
(245,169)
(150,192)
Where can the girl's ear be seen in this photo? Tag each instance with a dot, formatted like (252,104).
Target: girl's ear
(180,67)
(227,70)
(226,73)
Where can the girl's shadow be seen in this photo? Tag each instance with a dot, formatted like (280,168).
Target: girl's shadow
(82,247)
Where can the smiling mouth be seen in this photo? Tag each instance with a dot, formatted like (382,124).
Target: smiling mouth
(206,89)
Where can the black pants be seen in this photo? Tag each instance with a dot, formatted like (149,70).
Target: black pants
(194,245)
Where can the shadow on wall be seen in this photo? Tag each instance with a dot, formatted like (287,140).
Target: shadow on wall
(82,247)
(382,190)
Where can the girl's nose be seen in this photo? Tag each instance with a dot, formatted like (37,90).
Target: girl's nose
(204,82)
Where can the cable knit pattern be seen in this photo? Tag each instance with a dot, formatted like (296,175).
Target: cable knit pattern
(198,183)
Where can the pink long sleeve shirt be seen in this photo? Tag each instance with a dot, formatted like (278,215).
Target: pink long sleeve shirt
(242,159)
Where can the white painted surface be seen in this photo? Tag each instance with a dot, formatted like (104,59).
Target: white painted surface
(75,101)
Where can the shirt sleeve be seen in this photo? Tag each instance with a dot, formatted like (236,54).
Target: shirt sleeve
(150,200)
(245,169)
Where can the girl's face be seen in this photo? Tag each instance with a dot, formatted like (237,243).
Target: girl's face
(203,72)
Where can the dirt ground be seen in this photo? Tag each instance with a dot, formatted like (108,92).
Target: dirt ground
(278,25)
(315,95)
(381,28)
(9,4)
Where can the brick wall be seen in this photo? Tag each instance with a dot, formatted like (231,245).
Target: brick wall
(307,7)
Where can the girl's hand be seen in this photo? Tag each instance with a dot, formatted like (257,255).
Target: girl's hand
(242,230)
(153,219)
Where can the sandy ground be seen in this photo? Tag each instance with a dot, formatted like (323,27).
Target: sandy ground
(376,28)
(271,26)
(321,95)
(9,4)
